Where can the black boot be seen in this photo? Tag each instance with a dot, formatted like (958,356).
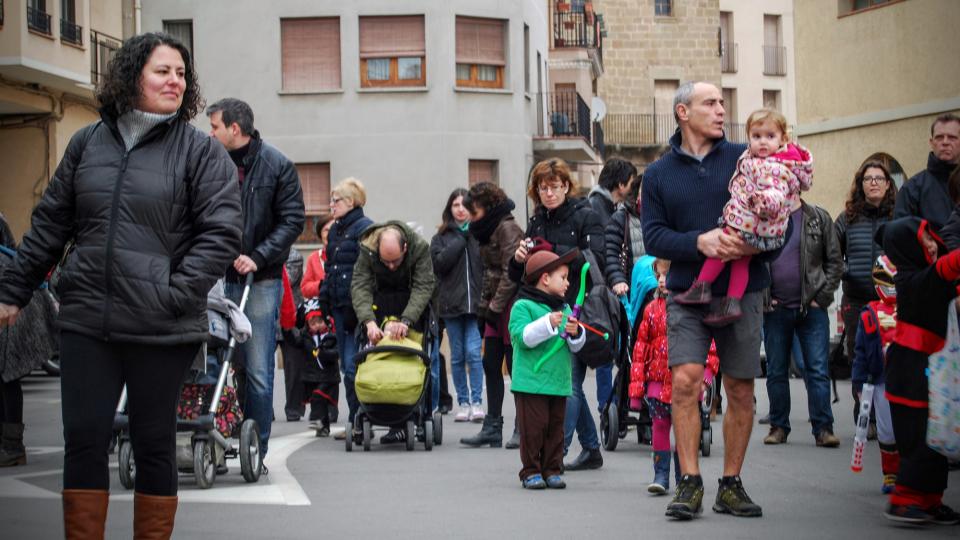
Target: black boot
(490,434)
(588,459)
(12,451)
(514,441)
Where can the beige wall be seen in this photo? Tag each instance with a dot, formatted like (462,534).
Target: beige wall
(106,16)
(22,153)
(641,48)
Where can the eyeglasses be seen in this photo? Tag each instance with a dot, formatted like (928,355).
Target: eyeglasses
(544,188)
(875,180)
(335,200)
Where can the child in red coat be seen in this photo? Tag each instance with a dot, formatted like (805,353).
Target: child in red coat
(650,378)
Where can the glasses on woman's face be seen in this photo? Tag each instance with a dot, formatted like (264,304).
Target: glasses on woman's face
(875,180)
(550,188)
(334,200)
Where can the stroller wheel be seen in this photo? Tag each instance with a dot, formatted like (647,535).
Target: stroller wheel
(128,468)
(250,464)
(411,435)
(706,439)
(437,428)
(348,440)
(204,469)
(367,435)
(610,422)
(428,435)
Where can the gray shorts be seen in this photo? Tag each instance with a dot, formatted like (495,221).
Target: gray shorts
(738,345)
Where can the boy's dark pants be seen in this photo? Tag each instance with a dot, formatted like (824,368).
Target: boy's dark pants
(922,471)
(540,421)
(323,398)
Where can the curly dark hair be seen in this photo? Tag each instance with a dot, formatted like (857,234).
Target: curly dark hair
(485,195)
(857,199)
(119,91)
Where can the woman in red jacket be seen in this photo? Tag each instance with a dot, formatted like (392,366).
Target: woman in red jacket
(313,276)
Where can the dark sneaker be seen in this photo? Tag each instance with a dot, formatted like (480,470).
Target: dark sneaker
(688,499)
(698,294)
(944,515)
(555,482)
(909,514)
(733,499)
(394,436)
(588,459)
(827,439)
(777,435)
(534,481)
(727,313)
(764,420)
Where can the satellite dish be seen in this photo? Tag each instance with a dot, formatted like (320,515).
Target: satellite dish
(598,109)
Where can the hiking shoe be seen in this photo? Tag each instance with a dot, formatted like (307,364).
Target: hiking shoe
(777,435)
(827,439)
(534,481)
(698,294)
(463,414)
(555,482)
(476,413)
(727,313)
(688,500)
(889,482)
(394,436)
(944,515)
(733,499)
(909,514)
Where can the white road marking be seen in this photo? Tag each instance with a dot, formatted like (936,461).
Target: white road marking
(280,487)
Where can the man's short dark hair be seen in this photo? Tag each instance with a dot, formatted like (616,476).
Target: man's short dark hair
(944,118)
(616,172)
(232,111)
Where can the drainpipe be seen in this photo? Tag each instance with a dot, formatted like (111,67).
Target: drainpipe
(137,7)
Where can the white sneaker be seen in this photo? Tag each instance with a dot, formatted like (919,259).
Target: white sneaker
(476,413)
(463,414)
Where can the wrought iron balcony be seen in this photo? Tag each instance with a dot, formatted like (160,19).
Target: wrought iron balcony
(774,60)
(728,57)
(38,21)
(102,50)
(577,29)
(70,32)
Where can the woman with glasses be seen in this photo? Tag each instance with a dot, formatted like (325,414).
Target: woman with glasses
(566,222)
(870,204)
(343,247)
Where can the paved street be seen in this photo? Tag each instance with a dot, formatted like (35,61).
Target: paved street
(316,489)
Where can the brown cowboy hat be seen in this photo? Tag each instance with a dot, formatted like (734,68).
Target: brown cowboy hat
(546,261)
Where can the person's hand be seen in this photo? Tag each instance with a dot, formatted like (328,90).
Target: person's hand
(555,319)
(572,328)
(244,265)
(374,335)
(814,304)
(620,289)
(726,246)
(397,329)
(521,255)
(8,314)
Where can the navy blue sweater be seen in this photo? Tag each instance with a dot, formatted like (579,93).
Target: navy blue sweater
(683,198)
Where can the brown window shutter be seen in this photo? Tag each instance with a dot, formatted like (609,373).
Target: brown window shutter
(481,41)
(310,54)
(388,37)
(482,170)
(315,182)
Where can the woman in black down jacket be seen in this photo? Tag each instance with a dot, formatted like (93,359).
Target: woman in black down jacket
(566,223)
(870,204)
(153,207)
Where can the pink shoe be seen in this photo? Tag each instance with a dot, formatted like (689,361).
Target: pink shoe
(463,414)
(476,414)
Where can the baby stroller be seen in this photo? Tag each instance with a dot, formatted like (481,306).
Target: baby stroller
(393,386)
(615,418)
(207,418)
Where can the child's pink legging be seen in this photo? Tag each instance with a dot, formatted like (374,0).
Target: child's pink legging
(739,274)
(661,434)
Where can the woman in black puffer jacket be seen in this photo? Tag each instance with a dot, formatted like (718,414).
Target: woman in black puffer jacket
(566,223)
(152,205)
(623,240)
(870,204)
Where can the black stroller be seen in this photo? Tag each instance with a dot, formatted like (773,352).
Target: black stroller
(210,448)
(378,410)
(615,418)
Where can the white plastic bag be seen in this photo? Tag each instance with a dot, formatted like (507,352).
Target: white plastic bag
(943,424)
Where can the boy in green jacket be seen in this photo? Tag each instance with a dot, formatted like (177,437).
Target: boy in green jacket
(541,378)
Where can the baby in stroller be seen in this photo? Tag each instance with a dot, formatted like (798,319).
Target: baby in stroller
(314,338)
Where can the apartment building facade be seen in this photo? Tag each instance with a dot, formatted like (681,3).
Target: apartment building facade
(875,74)
(51,52)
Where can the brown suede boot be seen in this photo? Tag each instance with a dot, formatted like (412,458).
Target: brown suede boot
(728,312)
(84,513)
(698,294)
(153,516)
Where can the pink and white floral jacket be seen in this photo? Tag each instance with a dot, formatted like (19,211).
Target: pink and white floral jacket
(763,190)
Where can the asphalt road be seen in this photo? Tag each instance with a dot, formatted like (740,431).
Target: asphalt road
(316,489)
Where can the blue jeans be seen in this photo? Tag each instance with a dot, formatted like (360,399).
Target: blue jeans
(435,374)
(578,415)
(779,328)
(347,347)
(465,345)
(263,310)
(604,375)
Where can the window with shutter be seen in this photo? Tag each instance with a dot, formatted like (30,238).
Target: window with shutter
(183,31)
(310,54)
(392,51)
(483,170)
(481,52)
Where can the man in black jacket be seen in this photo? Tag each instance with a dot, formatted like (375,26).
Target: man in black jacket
(273,218)
(927,195)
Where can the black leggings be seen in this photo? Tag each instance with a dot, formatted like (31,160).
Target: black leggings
(11,402)
(92,375)
(493,352)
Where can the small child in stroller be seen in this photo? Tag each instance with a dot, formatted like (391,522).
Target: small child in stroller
(314,337)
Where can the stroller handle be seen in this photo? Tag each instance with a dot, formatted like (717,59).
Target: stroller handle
(231,347)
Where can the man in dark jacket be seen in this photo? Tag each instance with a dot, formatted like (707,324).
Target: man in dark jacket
(273,218)
(803,280)
(393,283)
(927,195)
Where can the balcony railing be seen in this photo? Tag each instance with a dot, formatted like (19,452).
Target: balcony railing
(577,29)
(774,60)
(38,21)
(728,58)
(567,115)
(735,132)
(643,129)
(102,50)
(598,141)
(70,32)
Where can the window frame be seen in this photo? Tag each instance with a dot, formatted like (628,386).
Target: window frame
(189,46)
(474,80)
(394,80)
(658,4)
